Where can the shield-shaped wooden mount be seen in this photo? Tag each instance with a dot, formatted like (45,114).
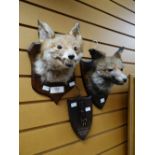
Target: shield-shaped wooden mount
(98,100)
(54,90)
(80,114)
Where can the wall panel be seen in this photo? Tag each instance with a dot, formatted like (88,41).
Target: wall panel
(29,35)
(82,12)
(46,138)
(110,8)
(44,126)
(44,113)
(56,21)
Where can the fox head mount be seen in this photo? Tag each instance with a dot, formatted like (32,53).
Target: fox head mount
(101,73)
(53,60)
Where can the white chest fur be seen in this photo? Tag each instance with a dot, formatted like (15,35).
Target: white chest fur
(43,69)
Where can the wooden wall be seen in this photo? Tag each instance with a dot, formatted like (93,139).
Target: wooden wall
(44,126)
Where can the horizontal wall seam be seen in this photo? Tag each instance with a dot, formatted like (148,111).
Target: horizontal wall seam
(86,39)
(48,100)
(67,121)
(82,20)
(89,137)
(125,62)
(36,101)
(74,142)
(115,146)
(91,6)
(122,6)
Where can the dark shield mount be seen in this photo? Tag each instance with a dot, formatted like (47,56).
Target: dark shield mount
(99,99)
(80,114)
(54,90)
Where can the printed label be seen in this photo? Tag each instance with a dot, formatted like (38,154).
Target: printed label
(74,104)
(46,88)
(56,90)
(102,100)
(87,109)
(72,83)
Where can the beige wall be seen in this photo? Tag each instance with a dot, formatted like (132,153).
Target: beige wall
(44,126)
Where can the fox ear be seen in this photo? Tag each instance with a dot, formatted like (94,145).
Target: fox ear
(75,31)
(44,31)
(118,52)
(95,54)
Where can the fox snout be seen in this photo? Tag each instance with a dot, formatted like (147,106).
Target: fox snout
(118,77)
(71,56)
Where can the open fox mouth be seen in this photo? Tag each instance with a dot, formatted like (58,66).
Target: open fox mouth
(66,62)
(117,82)
(114,81)
(69,65)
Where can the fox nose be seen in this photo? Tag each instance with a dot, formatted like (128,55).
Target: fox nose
(71,57)
(124,80)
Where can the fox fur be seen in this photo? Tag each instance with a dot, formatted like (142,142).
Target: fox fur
(106,71)
(59,53)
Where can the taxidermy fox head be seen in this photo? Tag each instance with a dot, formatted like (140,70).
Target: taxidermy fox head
(107,70)
(59,53)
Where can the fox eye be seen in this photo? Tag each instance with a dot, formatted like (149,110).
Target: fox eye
(59,47)
(121,69)
(110,70)
(75,48)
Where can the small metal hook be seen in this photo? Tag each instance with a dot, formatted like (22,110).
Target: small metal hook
(96,44)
